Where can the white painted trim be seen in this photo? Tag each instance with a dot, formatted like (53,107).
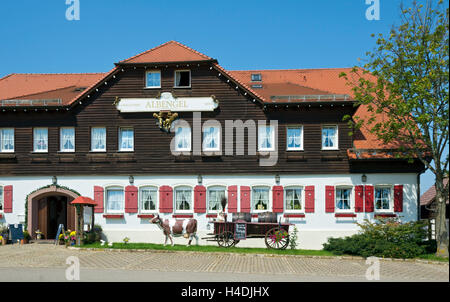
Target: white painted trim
(337,136)
(105,200)
(269,206)
(34,146)
(106,138)
(302,200)
(391,199)
(14,140)
(301,134)
(140,210)
(352,199)
(175,211)
(120,139)
(208,211)
(61,142)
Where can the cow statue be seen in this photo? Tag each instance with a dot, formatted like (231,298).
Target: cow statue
(176,228)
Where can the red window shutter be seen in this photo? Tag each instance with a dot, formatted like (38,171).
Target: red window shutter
(369,192)
(329,199)
(199,199)
(8,199)
(245,199)
(232,199)
(309,199)
(398,198)
(98,198)
(166,199)
(359,198)
(277,198)
(131,199)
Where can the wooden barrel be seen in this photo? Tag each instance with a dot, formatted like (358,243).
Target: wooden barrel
(242,216)
(267,217)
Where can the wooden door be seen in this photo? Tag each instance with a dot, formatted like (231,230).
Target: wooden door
(43,217)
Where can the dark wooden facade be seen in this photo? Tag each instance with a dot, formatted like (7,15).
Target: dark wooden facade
(152,153)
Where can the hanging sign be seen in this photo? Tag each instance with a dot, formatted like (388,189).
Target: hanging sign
(167,102)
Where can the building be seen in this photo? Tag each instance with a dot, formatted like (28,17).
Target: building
(428,208)
(268,140)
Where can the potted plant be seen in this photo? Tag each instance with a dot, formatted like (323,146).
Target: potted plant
(4,233)
(73,237)
(26,237)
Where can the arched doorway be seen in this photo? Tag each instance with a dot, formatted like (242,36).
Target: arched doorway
(49,207)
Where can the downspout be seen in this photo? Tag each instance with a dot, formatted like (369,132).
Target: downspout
(418,196)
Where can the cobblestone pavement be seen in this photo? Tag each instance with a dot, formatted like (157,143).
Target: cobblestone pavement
(50,256)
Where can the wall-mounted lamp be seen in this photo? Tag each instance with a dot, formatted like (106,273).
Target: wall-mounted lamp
(54,180)
(277,179)
(131,179)
(364,178)
(199,179)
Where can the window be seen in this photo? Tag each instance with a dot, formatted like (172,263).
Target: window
(266,138)
(98,139)
(40,137)
(211,139)
(148,199)
(383,198)
(1,199)
(294,198)
(114,200)
(260,199)
(343,198)
(294,139)
(182,138)
(256,77)
(183,199)
(257,86)
(215,195)
(6,140)
(329,137)
(182,78)
(126,139)
(67,139)
(153,79)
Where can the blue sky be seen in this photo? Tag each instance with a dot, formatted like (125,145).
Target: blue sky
(36,37)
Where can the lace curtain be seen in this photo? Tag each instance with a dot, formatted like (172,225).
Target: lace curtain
(329,136)
(7,140)
(40,139)
(126,139)
(211,138)
(214,199)
(148,199)
(67,139)
(265,137)
(98,139)
(343,199)
(183,138)
(183,199)
(114,200)
(294,137)
(260,199)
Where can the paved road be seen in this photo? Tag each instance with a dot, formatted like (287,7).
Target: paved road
(40,262)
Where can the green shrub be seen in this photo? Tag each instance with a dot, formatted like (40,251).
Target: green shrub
(93,235)
(384,238)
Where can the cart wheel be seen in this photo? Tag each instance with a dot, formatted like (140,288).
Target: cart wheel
(226,239)
(277,238)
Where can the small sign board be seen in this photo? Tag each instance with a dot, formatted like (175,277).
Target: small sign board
(240,231)
(59,232)
(16,232)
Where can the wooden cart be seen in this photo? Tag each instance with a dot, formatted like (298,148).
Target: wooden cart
(228,234)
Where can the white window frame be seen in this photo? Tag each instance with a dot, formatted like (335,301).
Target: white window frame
(114,188)
(391,198)
(215,188)
(218,133)
(175,78)
(146,78)
(351,199)
(61,149)
(92,141)
(1,140)
(34,140)
(269,206)
(2,198)
(141,208)
(302,199)
(190,139)
(120,140)
(272,138)
(183,187)
(301,138)
(336,147)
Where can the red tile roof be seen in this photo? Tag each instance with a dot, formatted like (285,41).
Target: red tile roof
(171,51)
(430,195)
(64,86)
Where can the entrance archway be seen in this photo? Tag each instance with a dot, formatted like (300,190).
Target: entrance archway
(49,207)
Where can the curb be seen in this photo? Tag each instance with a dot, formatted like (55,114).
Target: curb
(423,261)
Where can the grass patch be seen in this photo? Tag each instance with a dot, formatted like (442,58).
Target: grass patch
(209,248)
(433,257)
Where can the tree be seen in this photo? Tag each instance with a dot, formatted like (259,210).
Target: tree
(404,86)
